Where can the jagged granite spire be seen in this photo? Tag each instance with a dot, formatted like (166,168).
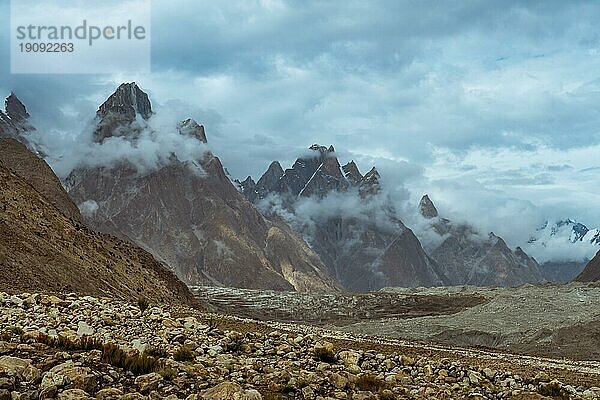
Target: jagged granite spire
(352,173)
(189,127)
(14,122)
(120,110)
(15,109)
(427,208)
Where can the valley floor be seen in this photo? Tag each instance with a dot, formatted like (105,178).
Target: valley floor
(72,347)
(547,320)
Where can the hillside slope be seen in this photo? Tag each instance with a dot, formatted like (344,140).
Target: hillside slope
(591,272)
(43,250)
(16,157)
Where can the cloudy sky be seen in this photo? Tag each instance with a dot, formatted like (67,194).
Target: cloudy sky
(490,107)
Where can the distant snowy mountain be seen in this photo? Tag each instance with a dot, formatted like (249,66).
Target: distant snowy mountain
(566,231)
(563,248)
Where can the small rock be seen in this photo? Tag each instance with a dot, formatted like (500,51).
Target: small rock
(109,394)
(73,394)
(83,329)
(148,382)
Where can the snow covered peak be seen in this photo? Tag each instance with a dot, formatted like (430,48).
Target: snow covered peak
(564,240)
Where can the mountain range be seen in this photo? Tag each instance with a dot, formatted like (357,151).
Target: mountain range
(188,213)
(473,259)
(315,226)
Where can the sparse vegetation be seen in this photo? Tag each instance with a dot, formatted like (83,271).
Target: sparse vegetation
(168,374)
(325,355)
(554,390)
(143,303)
(370,383)
(84,343)
(156,352)
(183,354)
(137,364)
(111,353)
(16,330)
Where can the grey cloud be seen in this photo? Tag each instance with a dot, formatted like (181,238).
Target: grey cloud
(387,82)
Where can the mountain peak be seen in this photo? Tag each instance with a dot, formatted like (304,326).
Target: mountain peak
(352,172)
(189,127)
(15,109)
(427,208)
(122,108)
(324,150)
(128,100)
(275,170)
(370,183)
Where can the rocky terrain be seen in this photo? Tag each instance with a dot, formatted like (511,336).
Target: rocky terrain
(70,347)
(42,249)
(187,213)
(548,320)
(15,156)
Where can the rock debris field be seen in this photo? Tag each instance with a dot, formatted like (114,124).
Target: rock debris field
(71,347)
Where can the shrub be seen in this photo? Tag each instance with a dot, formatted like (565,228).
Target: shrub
(137,364)
(156,352)
(554,390)
(183,354)
(141,365)
(143,303)
(325,355)
(168,374)
(370,383)
(235,342)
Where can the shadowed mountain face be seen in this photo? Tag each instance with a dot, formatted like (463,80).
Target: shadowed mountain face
(45,247)
(591,272)
(470,259)
(337,210)
(189,214)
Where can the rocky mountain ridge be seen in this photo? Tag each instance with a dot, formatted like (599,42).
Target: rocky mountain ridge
(365,248)
(470,259)
(188,213)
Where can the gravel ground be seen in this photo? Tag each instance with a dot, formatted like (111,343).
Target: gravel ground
(546,320)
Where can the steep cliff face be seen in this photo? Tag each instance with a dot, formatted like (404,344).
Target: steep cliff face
(468,258)
(189,215)
(337,210)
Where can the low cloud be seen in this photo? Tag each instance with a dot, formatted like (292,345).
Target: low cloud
(158,141)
